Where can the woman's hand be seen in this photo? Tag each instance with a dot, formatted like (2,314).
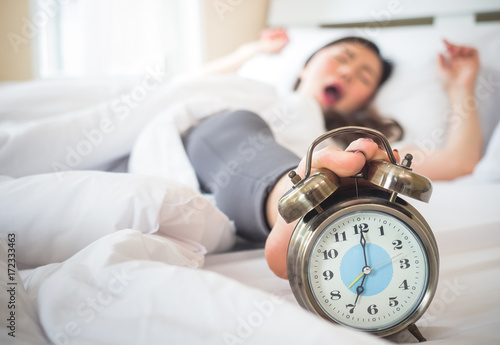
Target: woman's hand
(342,163)
(271,41)
(459,68)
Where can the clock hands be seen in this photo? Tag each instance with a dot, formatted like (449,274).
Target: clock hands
(357,278)
(362,241)
(360,289)
(367,270)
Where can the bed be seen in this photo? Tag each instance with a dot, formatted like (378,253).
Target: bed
(111,245)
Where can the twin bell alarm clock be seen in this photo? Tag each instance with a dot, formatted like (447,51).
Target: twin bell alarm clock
(361,255)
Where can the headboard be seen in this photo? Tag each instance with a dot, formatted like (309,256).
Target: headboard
(345,13)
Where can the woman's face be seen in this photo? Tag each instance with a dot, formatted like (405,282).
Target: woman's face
(342,77)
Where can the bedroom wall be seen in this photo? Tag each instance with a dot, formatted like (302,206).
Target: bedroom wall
(228,23)
(15,59)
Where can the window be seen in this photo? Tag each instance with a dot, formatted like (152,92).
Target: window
(87,38)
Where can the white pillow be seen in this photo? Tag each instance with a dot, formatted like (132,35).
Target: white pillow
(488,169)
(413,94)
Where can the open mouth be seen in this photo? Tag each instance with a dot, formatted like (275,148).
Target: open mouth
(333,94)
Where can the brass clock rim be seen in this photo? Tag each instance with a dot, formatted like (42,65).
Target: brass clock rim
(304,238)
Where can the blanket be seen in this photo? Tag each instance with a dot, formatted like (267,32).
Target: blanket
(49,151)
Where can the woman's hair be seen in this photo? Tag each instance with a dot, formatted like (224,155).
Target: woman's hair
(386,65)
(367,116)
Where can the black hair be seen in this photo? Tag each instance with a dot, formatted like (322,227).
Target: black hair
(387,65)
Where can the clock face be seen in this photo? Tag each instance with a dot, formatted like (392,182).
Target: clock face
(368,270)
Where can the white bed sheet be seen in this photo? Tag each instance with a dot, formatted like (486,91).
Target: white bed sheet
(465,219)
(130,287)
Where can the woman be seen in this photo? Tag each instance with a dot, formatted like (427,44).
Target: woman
(342,78)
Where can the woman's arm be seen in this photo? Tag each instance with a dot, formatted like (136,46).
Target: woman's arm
(463,147)
(271,41)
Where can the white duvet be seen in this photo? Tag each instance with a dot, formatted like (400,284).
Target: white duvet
(51,148)
(79,234)
(113,257)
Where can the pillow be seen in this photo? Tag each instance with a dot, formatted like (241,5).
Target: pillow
(488,168)
(413,94)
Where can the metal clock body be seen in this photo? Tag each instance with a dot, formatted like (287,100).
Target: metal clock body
(326,256)
(360,255)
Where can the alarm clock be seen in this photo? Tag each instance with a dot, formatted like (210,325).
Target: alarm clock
(361,255)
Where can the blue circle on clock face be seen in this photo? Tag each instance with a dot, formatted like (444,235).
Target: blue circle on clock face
(352,265)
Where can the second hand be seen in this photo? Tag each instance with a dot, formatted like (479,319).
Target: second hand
(390,259)
(354,282)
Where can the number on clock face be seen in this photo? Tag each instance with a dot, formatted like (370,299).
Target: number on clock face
(368,270)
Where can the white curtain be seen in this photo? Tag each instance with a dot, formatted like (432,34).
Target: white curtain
(87,38)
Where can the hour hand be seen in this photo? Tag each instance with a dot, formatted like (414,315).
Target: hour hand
(359,290)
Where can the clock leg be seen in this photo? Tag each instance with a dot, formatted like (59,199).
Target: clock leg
(416,333)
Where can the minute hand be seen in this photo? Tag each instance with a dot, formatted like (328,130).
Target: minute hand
(362,241)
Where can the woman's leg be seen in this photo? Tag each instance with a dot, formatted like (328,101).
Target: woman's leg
(237,159)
